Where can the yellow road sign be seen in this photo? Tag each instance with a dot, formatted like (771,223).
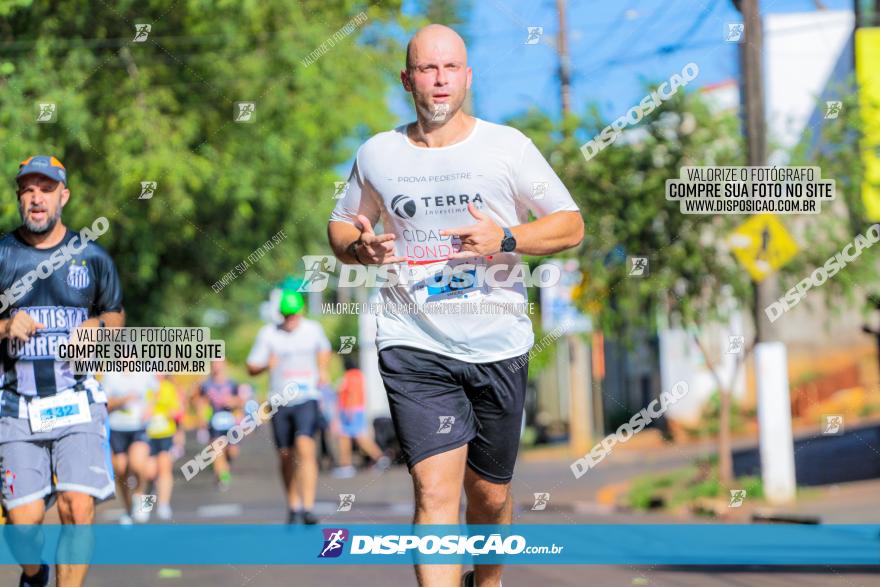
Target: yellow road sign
(762,245)
(868,77)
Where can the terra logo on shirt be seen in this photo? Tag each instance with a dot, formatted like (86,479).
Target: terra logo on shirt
(403,206)
(406,207)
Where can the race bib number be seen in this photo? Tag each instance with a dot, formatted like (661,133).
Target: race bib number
(48,413)
(222,421)
(458,281)
(297,385)
(158,424)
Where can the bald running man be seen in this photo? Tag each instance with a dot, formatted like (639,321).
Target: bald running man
(450,189)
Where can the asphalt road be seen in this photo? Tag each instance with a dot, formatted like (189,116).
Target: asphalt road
(255,497)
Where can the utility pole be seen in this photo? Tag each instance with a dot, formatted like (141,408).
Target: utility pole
(564,59)
(753,81)
(857,12)
(572,357)
(771,364)
(752,73)
(874,301)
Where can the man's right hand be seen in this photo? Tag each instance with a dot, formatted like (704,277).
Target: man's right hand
(22,326)
(372,248)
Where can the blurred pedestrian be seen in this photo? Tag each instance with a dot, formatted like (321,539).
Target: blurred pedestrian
(352,422)
(296,353)
(164,411)
(226,399)
(328,429)
(127,404)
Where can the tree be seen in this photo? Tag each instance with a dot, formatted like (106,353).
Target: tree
(836,146)
(693,278)
(162,110)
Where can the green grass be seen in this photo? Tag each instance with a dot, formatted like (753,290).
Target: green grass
(685,486)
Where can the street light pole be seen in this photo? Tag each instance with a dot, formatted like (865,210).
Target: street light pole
(771,364)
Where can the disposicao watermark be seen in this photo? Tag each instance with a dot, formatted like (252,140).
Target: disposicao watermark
(629,429)
(331,41)
(56,261)
(438,308)
(634,115)
(823,273)
(750,189)
(255,256)
(318,269)
(248,424)
(545,341)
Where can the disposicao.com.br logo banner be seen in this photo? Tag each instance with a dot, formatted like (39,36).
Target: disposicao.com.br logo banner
(530,544)
(418,544)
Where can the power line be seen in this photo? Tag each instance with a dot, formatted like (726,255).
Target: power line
(614,24)
(617,61)
(695,26)
(680,45)
(640,32)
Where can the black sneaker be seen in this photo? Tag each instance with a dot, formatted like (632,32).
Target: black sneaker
(292,517)
(41,579)
(309,518)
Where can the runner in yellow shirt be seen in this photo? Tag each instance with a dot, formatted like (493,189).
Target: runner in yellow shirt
(165,411)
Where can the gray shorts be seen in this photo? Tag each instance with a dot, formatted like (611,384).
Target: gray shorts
(69,458)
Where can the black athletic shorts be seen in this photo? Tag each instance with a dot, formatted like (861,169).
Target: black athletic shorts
(158,445)
(439,403)
(292,421)
(121,441)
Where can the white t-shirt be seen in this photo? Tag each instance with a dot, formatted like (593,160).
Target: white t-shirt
(416,192)
(297,353)
(131,416)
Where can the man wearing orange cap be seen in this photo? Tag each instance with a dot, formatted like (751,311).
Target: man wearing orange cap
(53,431)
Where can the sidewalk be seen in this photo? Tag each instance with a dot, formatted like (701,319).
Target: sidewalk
(598,490)
(846,503)
(257,497)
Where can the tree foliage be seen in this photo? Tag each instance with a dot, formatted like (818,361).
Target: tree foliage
(621,192)
(162,110)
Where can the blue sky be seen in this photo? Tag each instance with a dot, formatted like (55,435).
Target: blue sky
(615,47)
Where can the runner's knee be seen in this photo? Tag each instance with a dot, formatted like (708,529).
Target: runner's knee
(489,498)
(120,464)
(305,447)
(434,492)
(437,498)
(27,514)
(76,508)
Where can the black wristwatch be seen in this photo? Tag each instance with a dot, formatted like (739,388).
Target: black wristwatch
(508,243)
(101,323)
